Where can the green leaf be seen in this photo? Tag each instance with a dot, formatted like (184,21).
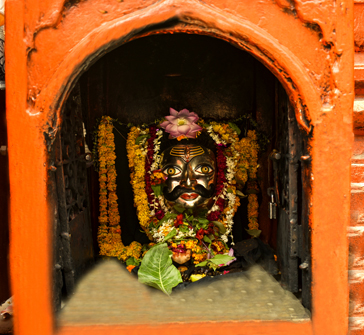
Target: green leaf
(190,211)
(204,263)
(158,271)
(206,239)
(254,232)
(157,189)
(217,260)
(179,208)
(141,138)
(132,261)
(188,218)
(145,247)
(203,221)
(170,235)
(211,237)
(235,127)
(183,229)
(219,225)
(221,259)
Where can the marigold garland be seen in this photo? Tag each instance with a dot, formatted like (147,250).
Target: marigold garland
(253,206)
(136,158)
(109,232)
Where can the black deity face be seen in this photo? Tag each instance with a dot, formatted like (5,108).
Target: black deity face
(191,172)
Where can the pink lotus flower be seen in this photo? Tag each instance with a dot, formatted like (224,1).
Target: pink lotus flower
(181,123)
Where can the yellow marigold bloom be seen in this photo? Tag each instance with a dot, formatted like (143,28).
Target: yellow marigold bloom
(190,244)
(225,138)
(198,258)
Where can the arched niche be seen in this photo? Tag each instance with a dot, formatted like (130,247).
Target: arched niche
(138,82)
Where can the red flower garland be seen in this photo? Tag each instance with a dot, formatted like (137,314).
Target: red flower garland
(221,179)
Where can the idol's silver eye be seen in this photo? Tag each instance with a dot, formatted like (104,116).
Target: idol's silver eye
(204,169)
(172,171)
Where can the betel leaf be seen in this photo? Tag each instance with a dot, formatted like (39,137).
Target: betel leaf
(219,260)
(157,189)
(158,271)
(235,127)
(170,235)
(140,138)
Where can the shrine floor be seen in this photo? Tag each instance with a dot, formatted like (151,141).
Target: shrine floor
(109,294)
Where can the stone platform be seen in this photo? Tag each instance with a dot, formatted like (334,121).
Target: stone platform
(109,294)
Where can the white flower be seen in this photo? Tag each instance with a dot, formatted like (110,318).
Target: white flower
(224,238)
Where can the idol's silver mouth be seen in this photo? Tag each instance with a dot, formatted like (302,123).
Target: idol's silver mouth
(189,196)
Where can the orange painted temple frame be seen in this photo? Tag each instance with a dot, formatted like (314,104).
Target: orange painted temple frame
(308,47)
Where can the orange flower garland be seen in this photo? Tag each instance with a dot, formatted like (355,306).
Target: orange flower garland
(253,206)
(109,237)
(136,157)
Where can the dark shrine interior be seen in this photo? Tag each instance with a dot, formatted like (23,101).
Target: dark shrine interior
(139,81)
